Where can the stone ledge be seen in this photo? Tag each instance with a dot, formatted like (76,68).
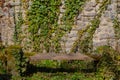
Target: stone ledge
(53,56)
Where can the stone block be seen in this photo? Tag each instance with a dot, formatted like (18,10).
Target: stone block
(100,43)
(91,4)
(109,7)
(106,36)
(79,17)
(89,14)
(81,24)
(88,8)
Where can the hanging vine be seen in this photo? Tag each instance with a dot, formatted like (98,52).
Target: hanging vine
(42,18)
(72,9)
(117,28)
(18,25)
(85,44)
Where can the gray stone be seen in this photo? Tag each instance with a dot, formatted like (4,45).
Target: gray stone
(62,10)
(100,43)
(89,8)
(79,17)
(89,15)
(109,8)
(91,4)
(106,36)
(81,25)
(1,12)
(106,14)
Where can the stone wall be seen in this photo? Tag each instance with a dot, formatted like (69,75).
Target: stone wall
(104,35)
(6,22)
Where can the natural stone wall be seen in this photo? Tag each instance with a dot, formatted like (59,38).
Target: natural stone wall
(6,23)
(104,35)
(83,19)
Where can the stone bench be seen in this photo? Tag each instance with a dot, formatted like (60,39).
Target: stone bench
(68,57)
(53,56)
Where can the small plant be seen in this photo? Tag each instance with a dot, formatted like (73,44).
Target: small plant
(108,66)
(13,61)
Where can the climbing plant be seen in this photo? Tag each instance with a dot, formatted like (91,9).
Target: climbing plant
(116,28)
(18,19)
(72,10)
(85,43)
(43,27)
(42,17)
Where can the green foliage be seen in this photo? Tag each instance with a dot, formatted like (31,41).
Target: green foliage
(72,10)
(47,63)
(116,27)
(13,60)
(2,59)
(18,55)
(84,44)
(108,66)
(18,26)
(42,19)
(18,32)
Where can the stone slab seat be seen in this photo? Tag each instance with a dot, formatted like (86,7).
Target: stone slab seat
(53,56)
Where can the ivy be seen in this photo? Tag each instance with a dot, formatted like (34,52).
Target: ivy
(116,28)
(72,10)
(13,60)
(84,44)
(42,18)
(108,65)
(18,26)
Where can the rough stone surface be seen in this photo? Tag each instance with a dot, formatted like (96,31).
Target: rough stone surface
(104,35)
(83,19)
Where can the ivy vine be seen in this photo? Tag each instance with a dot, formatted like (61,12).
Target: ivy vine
(42,18)
(72,10)
(85,44)
(116,28)
(18,25)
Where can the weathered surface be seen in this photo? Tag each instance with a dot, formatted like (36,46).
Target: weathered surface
(52,56)
(81,22)
(104,35)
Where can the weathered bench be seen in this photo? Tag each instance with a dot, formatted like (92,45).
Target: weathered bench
(69,57)
(53,56)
